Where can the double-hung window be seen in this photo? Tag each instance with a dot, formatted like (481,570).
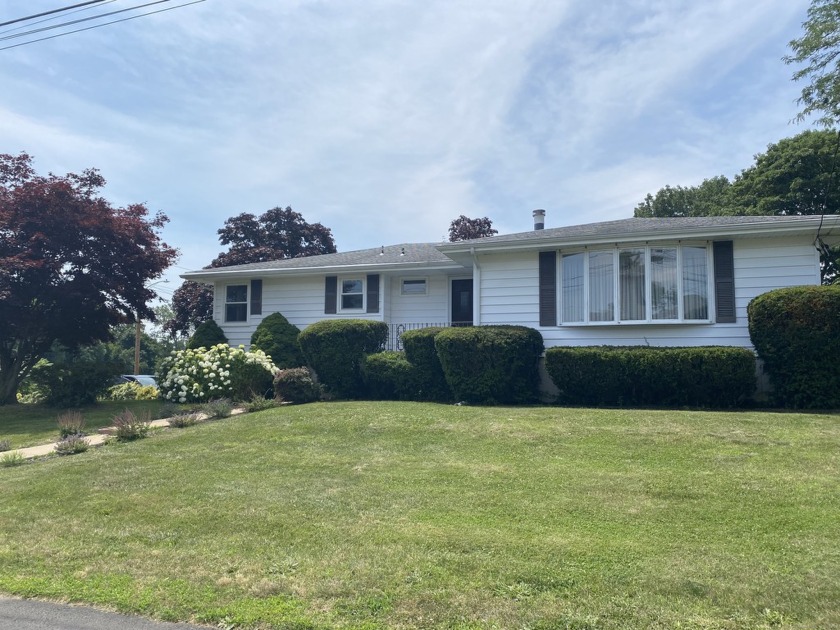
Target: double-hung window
(639,284)
(352,294)
(236,303)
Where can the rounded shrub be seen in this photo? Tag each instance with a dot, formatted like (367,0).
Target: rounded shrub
(796,332)
(491,364)
(390,376)
(420,351)
(207,335)
(296,385)
(203,374)
(335,348)
(279,340)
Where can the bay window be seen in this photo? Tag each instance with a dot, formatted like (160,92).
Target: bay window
(640,284)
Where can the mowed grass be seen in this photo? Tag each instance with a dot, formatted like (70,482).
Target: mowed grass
(402,515)
(31,425)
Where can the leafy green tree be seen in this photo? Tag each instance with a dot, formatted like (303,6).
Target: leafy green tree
(795,176)
(709,198)
(119,350)
(819,50)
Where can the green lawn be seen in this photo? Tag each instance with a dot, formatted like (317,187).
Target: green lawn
(31,425)
(403,515)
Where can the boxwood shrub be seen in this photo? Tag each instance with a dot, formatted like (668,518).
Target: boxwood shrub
(491,364)
(207,335)
(633,376)
(335,348)
(296,385)
(420,351)
(796,332)
(391,376)
(279,340)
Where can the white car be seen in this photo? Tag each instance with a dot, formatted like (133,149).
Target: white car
(146,380)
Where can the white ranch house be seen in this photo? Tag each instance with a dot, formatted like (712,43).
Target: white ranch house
(658,282)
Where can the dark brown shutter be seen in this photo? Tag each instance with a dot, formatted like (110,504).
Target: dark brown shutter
(548,288)
(256,297)
(373,293)
(331,295)
(724,282)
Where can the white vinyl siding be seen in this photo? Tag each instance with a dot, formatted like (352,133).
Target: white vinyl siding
(509,294)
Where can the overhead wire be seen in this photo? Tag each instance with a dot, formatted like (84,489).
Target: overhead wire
(54,17)
(88,28)
(62,9)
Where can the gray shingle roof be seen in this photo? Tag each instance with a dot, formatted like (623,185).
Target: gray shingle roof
(429,255)
(624,228)
(390,255)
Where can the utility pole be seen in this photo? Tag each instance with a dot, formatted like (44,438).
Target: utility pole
(137,332)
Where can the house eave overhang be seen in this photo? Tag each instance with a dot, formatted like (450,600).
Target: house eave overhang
(221,274)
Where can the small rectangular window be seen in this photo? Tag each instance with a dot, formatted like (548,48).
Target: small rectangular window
(236,303)
(414,287)
(352,294)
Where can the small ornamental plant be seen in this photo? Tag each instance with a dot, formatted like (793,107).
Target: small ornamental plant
(13,458)
(70,423)
(131,426)
(183,420)
(71,445)
(201,375)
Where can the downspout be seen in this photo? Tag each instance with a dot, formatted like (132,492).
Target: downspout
(476,288)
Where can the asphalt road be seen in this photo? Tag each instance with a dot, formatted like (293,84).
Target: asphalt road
(27,614)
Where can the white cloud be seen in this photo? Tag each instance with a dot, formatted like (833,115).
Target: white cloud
(385,120)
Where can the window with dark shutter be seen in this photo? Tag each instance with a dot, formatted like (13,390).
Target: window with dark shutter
(330,295)
(724,282)
(373,293)
(256,297)
(548,288)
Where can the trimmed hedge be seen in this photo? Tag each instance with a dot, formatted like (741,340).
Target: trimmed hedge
(491,364)
(391,376)
(207,335)
(709,376)
(796,332)
(420,351)
(335,349)
(279,340)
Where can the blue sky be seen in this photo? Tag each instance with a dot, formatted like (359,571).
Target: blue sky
(386,119)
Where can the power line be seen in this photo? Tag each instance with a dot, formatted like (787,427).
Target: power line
(55,17)
(88,28)
(37,15)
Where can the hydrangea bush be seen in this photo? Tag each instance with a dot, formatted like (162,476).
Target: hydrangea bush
(201,374)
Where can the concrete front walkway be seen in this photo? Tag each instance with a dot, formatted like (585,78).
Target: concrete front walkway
(33,452)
